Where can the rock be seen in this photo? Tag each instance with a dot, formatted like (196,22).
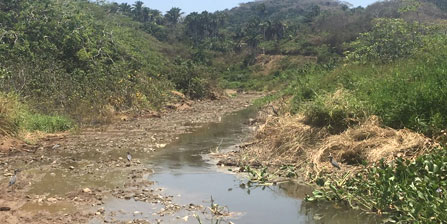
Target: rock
(137,213)
(52,174)
(5,209)
(71,167)
(56,146)
(87,190)
(251,121)
(184,107)
(101,211)
(160,145)
(52,200)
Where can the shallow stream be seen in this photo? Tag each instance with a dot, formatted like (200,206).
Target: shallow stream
(185,170)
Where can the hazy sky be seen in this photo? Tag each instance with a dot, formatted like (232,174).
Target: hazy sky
(209,5)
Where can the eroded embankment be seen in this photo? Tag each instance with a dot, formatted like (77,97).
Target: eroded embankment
(288,144)
(67,178)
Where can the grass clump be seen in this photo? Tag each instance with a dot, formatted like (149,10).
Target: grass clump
(337,111)
(407,191)
(16,117)
(45,123)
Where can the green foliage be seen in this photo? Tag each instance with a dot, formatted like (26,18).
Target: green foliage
(258,175)
(336,111)
(16,117)
(409,191)
(45,123)
(72,55)
(193,78)
(407,93)
(390,39)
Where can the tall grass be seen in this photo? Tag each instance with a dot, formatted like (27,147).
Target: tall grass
(16,117)
(410,93)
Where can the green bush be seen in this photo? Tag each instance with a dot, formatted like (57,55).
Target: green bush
(336,111)
(193,78)
(408,93)
(390,39)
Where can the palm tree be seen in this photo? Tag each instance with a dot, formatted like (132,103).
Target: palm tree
(138,10)
(155,16)
(125,9)
(172,16)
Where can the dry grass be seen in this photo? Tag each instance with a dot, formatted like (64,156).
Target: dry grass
(288,140)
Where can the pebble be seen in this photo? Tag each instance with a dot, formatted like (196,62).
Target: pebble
(56,146)
(51,199)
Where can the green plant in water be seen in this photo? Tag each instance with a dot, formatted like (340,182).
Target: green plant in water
(258,176)
(218,213)
(407,191)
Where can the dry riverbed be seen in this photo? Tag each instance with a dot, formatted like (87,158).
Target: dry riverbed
(66,178)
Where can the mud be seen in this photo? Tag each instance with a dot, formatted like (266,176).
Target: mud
(67,178)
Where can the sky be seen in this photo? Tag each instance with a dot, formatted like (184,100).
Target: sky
(189,6)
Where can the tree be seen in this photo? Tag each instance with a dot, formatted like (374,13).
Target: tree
(125,9)
(173,15)
(390,39)
(138,10)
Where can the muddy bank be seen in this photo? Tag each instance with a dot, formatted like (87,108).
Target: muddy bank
(290,147)
(66,178)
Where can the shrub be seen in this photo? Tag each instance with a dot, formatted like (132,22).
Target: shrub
(390,39)
(337,111)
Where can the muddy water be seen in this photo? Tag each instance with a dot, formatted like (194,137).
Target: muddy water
(185,170)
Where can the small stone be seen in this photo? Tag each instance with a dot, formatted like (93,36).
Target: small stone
(71,167)
(52,174)
(51,199)
(86,190)
(56,146)
(101,210)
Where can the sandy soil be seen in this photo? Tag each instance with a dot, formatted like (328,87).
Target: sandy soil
(65,178)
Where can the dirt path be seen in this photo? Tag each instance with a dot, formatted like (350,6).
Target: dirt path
(66,178)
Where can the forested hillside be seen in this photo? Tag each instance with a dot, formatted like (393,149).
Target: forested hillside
(83,61)
(71,57)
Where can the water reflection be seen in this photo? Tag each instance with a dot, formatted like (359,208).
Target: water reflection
(183,171)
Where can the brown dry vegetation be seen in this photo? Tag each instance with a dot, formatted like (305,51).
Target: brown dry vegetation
(288,140)
(267,64)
